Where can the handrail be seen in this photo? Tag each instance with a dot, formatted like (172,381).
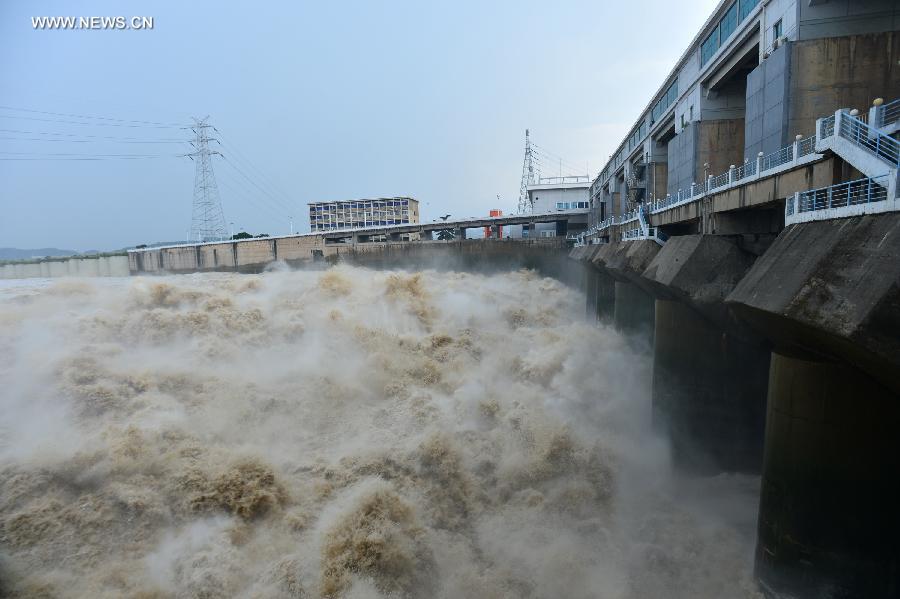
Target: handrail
(782,156)
(889,113)
(862,135)
(839,195)
(827,127)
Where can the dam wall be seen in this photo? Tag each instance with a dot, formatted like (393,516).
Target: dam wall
(96,266)
(782,361)
(546,255)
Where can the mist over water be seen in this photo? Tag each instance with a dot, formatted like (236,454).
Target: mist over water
(347,433)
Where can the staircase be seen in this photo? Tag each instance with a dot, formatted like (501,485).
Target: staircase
(870,149)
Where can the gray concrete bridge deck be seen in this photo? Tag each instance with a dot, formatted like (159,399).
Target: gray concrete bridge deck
(573,219)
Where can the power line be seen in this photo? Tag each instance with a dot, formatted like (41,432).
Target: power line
(556,157)
(242,194)
(264,201)
(91,158)
(256,185)
(31,118)
(112,137)
(83,116)
(91,155)
(88,141)
(262,176)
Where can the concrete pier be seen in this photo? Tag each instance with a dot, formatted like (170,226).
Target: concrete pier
(709,392)
(828,517)
(634,311)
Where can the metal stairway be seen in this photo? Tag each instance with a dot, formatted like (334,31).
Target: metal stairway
(867,148)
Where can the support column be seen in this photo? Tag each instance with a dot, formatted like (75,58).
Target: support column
(709,392)
(828,515)
(634,310)
(591,291)
(606,297)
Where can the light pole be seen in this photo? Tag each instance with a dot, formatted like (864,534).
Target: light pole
(292,224)
(232,230)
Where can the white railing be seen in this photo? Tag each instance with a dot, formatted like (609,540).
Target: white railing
(775,159)
(889,113)
(767,164)
(862,135)
(718,181)
(748,169)
(838,200)
(826,127)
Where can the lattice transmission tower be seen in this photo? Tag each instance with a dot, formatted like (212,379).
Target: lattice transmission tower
(527,176)
(207,217)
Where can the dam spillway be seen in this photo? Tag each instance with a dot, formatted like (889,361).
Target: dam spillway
(345,432)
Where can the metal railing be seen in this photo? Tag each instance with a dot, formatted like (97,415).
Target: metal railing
(719,181)
(889,113)
(651,233)
(748,169)
(807,146)
(628,216)
(851,193)
(782,156)
(860,134)
(827,127)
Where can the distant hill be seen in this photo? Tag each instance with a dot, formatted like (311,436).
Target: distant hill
(19,254)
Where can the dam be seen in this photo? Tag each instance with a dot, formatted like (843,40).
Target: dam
(768,299)
(688,389)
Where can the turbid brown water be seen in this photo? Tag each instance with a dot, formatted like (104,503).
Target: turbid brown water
(347,433)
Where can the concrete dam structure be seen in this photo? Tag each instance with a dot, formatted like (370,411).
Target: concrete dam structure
(783,363)
(771,300)
(91,266)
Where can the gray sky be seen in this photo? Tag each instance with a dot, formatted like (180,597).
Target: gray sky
(314,101)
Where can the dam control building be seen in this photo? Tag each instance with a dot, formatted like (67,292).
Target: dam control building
(756,75)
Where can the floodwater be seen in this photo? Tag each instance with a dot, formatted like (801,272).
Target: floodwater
(347,433)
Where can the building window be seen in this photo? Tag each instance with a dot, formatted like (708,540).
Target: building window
(747,7)
(728,23)
(664,102)
(776,30)
(709,46)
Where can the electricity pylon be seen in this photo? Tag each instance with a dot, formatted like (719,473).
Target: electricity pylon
(527,176)
(207,218)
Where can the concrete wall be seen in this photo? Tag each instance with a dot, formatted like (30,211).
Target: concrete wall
(844,17)
(545,254)
(548,256)
(720,143)
(766,119)
(682,158)
(291,249)
(841,72)
(257,251)
(101,266)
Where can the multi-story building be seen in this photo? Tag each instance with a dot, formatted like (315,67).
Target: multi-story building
(758,73)
(351,214)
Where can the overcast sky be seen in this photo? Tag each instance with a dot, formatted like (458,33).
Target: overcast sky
(313,101)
